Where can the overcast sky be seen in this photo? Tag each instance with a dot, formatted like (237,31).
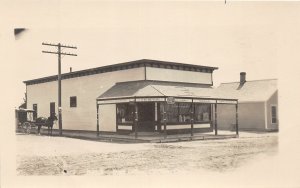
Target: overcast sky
(234,37)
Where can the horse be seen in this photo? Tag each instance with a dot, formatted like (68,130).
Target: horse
(47,122)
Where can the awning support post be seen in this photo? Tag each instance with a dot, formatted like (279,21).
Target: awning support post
(135,120)
(165,120)
(236,120)
(192,118)
(158,117)
(216,119)
(97,119)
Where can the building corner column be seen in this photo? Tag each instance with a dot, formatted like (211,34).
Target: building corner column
(164,119)
(216,119)
(98,131)
(236,120)
(135,120)
(192,118)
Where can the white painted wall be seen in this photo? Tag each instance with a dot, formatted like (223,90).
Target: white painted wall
(86,88)
(107,121)
(42,94)
(153,73)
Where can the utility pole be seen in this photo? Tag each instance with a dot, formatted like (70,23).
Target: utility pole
(59,53)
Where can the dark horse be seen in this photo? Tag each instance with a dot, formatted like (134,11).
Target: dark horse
(47,122)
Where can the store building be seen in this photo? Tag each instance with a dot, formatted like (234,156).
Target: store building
(132,97)
(258,104)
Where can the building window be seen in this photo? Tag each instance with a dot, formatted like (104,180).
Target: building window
(73,101)
(34,107)
(274,114)
(181,112)
(125,113)
(184,112)
(202,112)
(172,112)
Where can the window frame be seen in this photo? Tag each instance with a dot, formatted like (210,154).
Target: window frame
(276,116)
(127,114)
(205,119)
(72,103)
(180,112)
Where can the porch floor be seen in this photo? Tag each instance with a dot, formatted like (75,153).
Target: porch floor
(161,138)
(142,137)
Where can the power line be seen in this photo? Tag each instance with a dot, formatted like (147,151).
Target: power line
(62,53)
(61,45)
(59,53)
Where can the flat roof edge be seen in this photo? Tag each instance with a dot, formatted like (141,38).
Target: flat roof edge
(124,66)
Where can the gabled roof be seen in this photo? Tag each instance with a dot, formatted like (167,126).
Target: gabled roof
(158,89)
(250,91)
(123,66)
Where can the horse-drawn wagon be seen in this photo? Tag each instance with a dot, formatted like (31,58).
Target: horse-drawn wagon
(27,122)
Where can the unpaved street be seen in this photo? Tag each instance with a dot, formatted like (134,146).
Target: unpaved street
(42,155)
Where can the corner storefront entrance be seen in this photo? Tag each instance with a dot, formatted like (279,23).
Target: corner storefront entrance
(178,117)
(146,117)
(163,108)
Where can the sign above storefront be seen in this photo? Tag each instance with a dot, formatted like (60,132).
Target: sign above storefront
(149,99)
(170,100)
(204,101)
(182,100)
(114,101)
(226,102)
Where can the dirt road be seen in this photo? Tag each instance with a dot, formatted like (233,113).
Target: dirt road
(41,155)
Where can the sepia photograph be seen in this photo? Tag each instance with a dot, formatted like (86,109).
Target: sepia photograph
(150,93)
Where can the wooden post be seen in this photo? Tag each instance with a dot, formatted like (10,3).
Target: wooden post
(236,119)
(59,91)
(216,120)
(135,120)
(165,120)
(59,53)
(97,119)
(158,118)
(192,119)
(211,116)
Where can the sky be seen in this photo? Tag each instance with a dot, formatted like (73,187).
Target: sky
(233,37)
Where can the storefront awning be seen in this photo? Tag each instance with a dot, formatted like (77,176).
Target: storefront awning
(142,91)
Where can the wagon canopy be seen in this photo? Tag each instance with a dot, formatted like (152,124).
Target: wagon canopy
(25,110)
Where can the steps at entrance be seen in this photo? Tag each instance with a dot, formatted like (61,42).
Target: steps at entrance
(145,134)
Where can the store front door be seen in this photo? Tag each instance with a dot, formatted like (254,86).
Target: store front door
(146,117)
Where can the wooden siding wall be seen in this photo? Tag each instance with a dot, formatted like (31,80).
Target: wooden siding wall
(107,118)
(86,89)
(171,75)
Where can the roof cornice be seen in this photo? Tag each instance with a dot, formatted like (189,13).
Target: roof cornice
(124,66)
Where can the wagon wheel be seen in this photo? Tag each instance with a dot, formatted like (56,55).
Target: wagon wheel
(27,127)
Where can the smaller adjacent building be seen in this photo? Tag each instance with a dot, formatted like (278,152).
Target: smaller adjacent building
(258,104)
